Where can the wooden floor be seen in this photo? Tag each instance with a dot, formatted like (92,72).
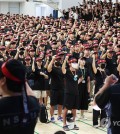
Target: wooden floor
(85,126)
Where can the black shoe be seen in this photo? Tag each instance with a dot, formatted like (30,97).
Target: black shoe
(75,127)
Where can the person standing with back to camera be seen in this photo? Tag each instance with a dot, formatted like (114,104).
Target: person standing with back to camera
(18,107)
(110,93)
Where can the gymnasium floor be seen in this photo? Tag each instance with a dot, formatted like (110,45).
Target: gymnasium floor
(85,126)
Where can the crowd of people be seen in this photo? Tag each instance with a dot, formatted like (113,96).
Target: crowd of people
(67,58)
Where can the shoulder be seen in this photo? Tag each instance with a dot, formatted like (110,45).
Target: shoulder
(115,88)
(33,102)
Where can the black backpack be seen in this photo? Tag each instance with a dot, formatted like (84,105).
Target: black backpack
(43,116)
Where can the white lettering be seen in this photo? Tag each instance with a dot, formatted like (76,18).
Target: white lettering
(6,122)
(16,119)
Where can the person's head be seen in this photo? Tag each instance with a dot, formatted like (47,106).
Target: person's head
(77,48)
(2,49)
(73,64)
(39,61)
(32,52)
(110,45)
(27,60)
(57,62)
(60,132)
(13,45)
(72,48)
(102,63)
(82,61)
(72,36)
(62,36)
(42,47)
(110,53)
(68,44)
(12,76)
(95,47)
(87,51)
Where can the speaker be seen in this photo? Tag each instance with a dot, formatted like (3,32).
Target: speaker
(55,14)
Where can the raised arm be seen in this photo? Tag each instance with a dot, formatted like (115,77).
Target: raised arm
(93,65)
(29,90)
(47,62)
(64,65)
(49,68)
(33,65)
(17,54)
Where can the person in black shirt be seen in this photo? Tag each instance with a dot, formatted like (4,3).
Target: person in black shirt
(57,86)
(29,72)
(71,97)
(18,107)
(40,76)
(88,65)
(83,87)
(110,93)
(100,75)
(111,64)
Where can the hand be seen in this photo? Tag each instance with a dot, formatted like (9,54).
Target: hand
(33,58)
(41,73)
(66,58)
(18,49)
(53,57)
(114,39)
(47,57)
(110,80)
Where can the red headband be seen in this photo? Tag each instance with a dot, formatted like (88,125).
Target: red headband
(6,73)
(101,61)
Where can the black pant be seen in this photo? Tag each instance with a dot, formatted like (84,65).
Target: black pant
(96,115)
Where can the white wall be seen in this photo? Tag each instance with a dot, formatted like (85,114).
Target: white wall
(43,10)
(65,4)
(12,7)
(4,7)
(27,8)
(34,9)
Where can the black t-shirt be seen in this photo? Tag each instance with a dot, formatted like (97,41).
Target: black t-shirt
(30,74)
(72,82)
(88,65)
(111,66)
(57,78)
(12,115)
(39,79)
(99,80)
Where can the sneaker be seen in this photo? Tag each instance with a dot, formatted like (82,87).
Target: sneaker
(52,119)
(65,128)
(95,126)
(60,118)
(75,127)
